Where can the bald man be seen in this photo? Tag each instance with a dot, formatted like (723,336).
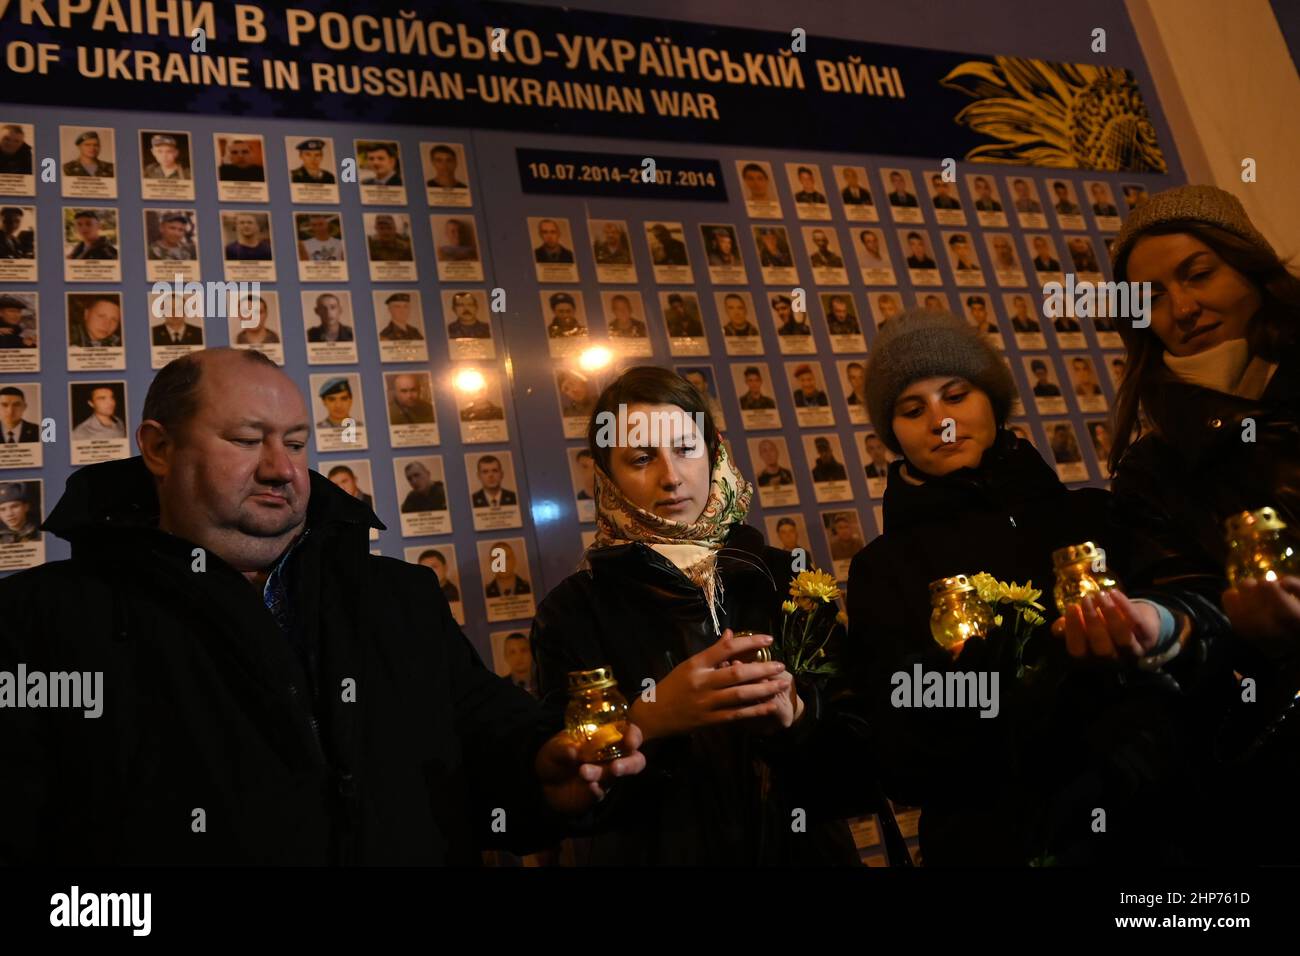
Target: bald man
(405,406)
(246,638)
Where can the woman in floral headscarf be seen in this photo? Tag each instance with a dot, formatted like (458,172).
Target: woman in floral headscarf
(732,743)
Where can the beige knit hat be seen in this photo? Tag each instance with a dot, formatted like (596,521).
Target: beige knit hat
(1204,204)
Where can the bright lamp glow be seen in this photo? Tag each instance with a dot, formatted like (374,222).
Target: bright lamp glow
(595,358)
(469,380)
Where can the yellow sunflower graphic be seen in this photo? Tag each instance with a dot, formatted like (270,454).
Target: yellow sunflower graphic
(1072,115)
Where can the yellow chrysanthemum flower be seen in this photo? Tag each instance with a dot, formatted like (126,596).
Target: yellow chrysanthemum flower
(816,585)
(987,587)
(1024,593)
(789,607)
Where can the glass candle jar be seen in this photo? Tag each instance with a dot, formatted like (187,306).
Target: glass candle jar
(597,712)
(761,655)
(956,612)
(1080,571)
(1260,547)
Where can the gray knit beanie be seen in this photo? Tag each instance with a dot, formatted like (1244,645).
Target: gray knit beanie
(1203,204)
(920,344)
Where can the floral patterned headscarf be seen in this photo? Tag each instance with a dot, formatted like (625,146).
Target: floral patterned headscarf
(691,547)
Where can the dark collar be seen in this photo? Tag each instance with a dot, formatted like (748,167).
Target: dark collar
(1011,471)
(1194,420)
(117,494)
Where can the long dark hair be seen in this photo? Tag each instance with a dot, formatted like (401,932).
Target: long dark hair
(649,385)
(1269,334)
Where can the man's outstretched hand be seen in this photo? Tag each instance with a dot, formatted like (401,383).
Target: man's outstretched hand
(573,786)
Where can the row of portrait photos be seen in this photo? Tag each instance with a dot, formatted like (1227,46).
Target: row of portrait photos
(88,162)
(412,418)
(89,166)
(822,257)
(91,250)
(756,392)
(96,332)
(99,430)
(91,246)
(96,342)
(179,323)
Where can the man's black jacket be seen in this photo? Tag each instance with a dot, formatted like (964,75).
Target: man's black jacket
(206,705)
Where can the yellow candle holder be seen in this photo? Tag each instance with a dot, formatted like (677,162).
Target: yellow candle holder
(956,612)
(1080,572)
(1259,547)
(596,714)
(761,655)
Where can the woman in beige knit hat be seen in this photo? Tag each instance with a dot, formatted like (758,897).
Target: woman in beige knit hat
(1217,373)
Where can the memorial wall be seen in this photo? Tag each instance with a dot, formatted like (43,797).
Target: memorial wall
(451,229)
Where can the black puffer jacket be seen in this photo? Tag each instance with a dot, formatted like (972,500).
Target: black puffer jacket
(1196,469)
(207,706)
(700,799)
(1183,481)
(1022,785)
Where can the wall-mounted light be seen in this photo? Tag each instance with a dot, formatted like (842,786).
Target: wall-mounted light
(469,380)
(595,358)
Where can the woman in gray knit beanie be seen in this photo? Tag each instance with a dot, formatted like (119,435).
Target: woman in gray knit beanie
(921,345)
(969,496)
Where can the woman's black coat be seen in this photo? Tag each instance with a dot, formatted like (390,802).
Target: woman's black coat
(1213,455)
(700,799)
(1022,785)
